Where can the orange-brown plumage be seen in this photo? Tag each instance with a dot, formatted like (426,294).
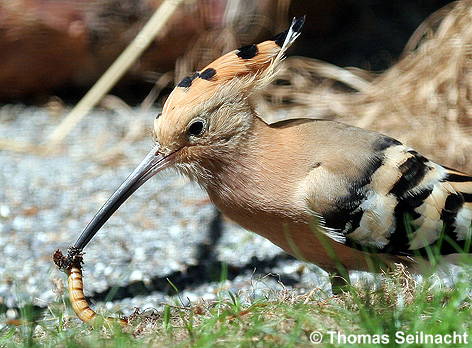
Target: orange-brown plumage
(233,78)
(227,67)
(326,192)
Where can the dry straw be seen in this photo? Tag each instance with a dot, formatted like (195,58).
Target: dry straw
(116,70)
(423,100)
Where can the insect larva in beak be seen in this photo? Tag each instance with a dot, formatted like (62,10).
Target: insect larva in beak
(73,269)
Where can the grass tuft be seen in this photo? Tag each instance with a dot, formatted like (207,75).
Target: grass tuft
(398,303)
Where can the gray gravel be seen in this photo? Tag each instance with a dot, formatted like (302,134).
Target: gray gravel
(45,201)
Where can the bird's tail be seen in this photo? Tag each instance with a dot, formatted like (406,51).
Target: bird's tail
(457,211)
(449,207)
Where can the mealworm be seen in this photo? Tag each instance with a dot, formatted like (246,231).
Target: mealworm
(77,297)
(72,265)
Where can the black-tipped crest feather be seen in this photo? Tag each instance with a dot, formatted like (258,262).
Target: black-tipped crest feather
(291,33)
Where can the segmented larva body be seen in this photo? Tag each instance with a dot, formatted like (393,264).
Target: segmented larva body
(72,266)
(77,297)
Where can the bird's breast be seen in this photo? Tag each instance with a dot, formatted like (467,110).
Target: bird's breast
(301,236)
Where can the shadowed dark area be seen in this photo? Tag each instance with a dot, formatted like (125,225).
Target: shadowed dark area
(369,34)
(208,269)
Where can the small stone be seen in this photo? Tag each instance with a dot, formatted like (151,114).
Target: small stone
(136,275)
(12,313)
(4,211)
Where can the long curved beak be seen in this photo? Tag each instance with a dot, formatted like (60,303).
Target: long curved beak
(152,163)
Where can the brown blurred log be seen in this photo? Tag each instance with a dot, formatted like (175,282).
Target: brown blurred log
(48,44)
(42,44)
(45,44)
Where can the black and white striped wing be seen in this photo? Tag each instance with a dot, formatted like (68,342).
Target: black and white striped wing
(408,204)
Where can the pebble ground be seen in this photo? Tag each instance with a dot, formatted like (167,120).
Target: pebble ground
(163,230)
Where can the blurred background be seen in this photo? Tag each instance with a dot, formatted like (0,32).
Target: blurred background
(399,67)
(61,47)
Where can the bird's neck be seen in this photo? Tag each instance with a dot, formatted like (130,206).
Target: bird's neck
(242,179)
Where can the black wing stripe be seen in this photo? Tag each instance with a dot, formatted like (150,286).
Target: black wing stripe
(452,177)
(467,196)
(448,215)
(413,171)
(404,211)
(348,215)
(356,220)
(452,205)
(384,143)
(399,240)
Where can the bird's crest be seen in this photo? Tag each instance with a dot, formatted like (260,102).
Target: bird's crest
(255,64)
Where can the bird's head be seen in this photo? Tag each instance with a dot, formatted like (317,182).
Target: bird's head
(207,112)
(210,111)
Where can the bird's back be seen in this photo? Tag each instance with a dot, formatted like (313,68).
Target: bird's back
(393,201)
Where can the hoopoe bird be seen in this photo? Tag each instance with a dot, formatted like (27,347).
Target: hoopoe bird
(325,192)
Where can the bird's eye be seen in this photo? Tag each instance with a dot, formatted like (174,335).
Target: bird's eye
(196,128)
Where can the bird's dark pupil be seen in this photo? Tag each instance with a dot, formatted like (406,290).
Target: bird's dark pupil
(196,128)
